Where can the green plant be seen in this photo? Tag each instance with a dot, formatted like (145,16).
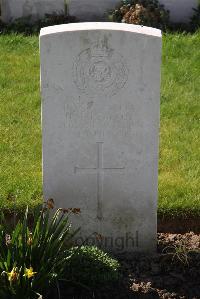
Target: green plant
(26,26)
(91,267)
(179,253)
(141,12)
(32,258)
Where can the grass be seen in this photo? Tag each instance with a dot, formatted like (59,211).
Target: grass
(20,132)
(179,165)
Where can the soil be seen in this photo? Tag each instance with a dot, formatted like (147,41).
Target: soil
(172,273)
(179,224)
(166,224)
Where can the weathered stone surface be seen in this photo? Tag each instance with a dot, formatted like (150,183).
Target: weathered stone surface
(180,10)
(91,10)
(35,9)
(85,10)
(100,86)
(88,10)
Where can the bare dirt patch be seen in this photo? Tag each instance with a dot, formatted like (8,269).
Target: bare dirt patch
(172,273)
(179,224)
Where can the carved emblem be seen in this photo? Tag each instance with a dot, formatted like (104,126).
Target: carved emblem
(100,70)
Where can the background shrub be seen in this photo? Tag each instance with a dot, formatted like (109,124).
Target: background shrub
(142,12)
(27,27)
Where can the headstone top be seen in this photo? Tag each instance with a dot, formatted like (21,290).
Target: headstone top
(100,26)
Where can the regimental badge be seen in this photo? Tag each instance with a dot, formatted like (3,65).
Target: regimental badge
(100,70)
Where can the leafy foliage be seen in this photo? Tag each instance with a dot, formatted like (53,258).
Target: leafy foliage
(26,26)
(91,267)
(32,259)
(142,12)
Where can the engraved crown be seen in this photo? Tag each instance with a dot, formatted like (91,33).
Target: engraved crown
(100,49)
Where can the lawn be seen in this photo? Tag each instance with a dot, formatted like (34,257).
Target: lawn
(20,131)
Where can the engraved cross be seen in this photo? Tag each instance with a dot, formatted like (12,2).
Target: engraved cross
(99,171)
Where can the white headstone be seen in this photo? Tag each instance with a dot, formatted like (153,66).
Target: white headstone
(100,86)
